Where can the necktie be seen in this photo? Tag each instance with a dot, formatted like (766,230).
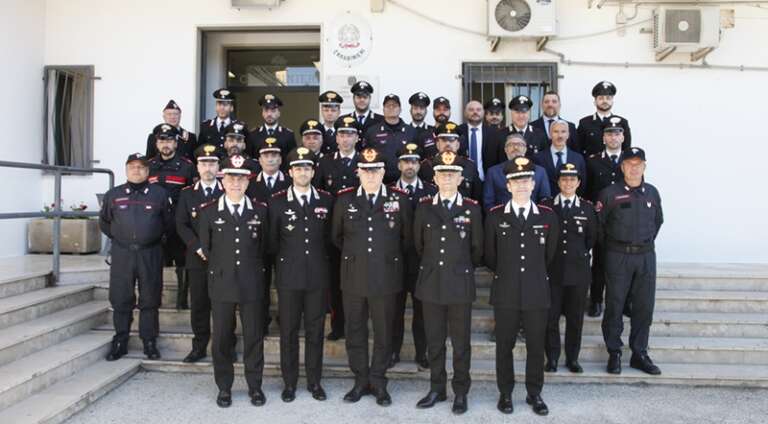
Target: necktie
(473,145)
(614,158)
(236,208)
(567,203)
(521,214)
(221,126)
(447,204)
(208,192)
(269,182)
(370,200)
(549,125)
(346,161)
(360,119)
(559,160)
(270,132)
(305,204)
(409,188)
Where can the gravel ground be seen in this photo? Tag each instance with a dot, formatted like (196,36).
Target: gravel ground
(190,398)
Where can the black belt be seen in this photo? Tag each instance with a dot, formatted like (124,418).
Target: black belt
(629,248)
(136,246)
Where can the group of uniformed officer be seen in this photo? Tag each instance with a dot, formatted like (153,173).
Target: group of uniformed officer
(367,210)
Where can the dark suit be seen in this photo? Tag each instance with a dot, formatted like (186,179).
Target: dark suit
(419,191)
(234,248)
(372,241)
(492,146)
(450,244)
(188,213)
(545,160)
(590,133)
(299,237)
(519,254)
(569,275)
(573,140)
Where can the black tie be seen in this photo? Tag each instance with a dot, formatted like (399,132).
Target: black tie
(614,158)
(559,160)
(270,132)
(360,119)
(521,214)
(305,204)
(221,126)
(370,200)
(346,161)
(208,192)
(236,215)
(567,203)
(447,204)
(549,126)
(269,182)
(409,188)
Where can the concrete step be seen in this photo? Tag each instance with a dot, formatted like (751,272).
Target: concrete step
(665,324)
(663,349)
(36,372)
(62,400)
(19,284)
(34,304)
(31,336)
(485,370)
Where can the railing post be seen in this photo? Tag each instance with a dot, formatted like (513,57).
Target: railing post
(57,227)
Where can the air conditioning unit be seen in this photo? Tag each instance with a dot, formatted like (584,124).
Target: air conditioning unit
(687,28)
(522,18)
(241,4)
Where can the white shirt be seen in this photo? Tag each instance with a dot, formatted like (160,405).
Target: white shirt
(230,205)
(516,208)
(220,123)
(479,153)
(554,151)
(300,196)
(273,177)
(350,156)
(204,186)
(570,199)
(450,201)
(268,127)
(547,123)
(617,153)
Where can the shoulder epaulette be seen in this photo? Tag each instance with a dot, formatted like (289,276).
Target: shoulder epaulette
(282,192)
(399,190)
(345,191)
(545,207)
(496,207)
(186,159)
(209,203)
(188,187)
(471,201)
(425,199)
(594,155)
(323,191)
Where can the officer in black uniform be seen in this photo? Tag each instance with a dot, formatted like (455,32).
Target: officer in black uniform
(337,172)
(535,138)
(330,109)
(192,200)
(173,172)
(299,236)
(427,141)
(234,144)
(270,179)
(134,216)
(187,140)
(494,113)
(389,136)
(602,170)
(630,217)
(361,97)
(590,131)
(212,130)
(569,275)
(419,103)
(312,137)
(520,244)
(448,235)
(447,136)
(409,182)
(270,112)
(372,226)
(233,233)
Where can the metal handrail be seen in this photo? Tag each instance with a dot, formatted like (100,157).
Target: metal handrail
(57,214)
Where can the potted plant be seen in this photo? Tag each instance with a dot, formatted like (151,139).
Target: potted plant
(79,234)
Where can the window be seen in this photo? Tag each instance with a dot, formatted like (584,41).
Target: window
(68,139)
(482,81)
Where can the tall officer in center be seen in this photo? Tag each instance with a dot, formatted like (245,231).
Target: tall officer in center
(212,130)
(520,243)
(373,227)
(285,140)
(448,235)
(233,232)
(330,109)
(590,131)
(361,97)
(299,238)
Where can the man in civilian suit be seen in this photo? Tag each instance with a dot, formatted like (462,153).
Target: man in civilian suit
(480,140)
(558,154)
(550,109)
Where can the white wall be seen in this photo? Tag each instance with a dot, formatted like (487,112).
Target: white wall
(694,124)
(21,47)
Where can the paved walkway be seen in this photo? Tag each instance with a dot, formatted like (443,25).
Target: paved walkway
(186,398)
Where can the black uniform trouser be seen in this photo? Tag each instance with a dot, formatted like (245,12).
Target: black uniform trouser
(293,304)
(633,276)
(381,311)
(174,251)
(534,323)
(200,308)
(439,322)
(597,287)
(571,302)
(224,340)
(144,265)
(269,266)
(336,302)
(417,324)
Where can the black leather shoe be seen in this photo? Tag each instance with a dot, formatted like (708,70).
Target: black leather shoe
(317,391)
(289,394)
(431,399)
(224,399)
(644,364)
(194,356)
(614,364)
(257,397)
(382,397)
(574,367)
(595,309)
(492,337)
(150,350)
(422,364)
(356,393)
(459,404)
(537,404)
(505,403)
(335,335)
(393,360)
(119,349)
(551,366)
